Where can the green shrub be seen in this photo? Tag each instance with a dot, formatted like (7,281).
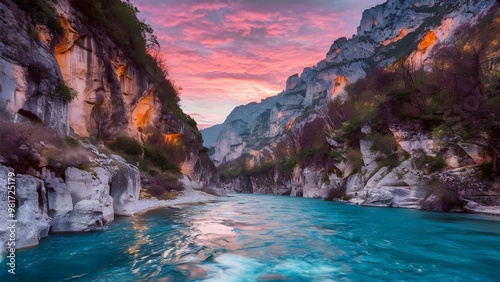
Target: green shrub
(434,164)
(289,164)
(65,93)
(126,145)
(260,169)
(41,13)
(485,169)
(355,158)
(191,122)
(231,173)
(157,159)
(163,187)
(347,197)
(72,142)
(384,143)
(437,163)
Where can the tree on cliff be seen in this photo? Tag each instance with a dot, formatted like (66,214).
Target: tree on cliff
(102,124)
(468,72)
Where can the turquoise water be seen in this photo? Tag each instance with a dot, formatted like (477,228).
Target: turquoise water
(272,238)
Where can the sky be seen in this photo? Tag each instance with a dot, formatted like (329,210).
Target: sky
(225,53)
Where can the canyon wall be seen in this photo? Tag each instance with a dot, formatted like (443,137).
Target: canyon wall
(414,30)
(80,82)
(386,32)
(36,66)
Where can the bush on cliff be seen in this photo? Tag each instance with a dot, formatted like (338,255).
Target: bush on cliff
(136,38)
(163,186)
(41,13)
(149,157)
(127,145)
(30,147)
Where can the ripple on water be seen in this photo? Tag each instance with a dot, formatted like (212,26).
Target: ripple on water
(269,238)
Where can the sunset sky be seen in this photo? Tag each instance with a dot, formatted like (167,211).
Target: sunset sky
(225,53)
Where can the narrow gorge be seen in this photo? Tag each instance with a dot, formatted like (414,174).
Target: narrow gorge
(106,174)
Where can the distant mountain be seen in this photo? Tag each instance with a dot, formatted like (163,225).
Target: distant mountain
(403,114)
(387,32)
(210,134)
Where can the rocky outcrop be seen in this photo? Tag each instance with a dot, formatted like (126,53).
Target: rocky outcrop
(87,215)
(94,186)
(30,77)
(32,218)
(104,77)
(413,179)
(71,81)
(40,69)
(126,184)
(59,197)
(410,183)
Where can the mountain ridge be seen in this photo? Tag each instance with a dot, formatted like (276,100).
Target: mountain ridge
(300,143)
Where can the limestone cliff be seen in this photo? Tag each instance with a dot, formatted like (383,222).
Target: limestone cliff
(113,92)
(61,70)
(259,143)
(386,32)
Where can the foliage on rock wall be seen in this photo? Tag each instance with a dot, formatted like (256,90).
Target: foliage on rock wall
(148,157)
(30,147)
(459,97)
(139,43)
(41,13)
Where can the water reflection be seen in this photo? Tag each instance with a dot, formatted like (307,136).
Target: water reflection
(259,238)
(231,240)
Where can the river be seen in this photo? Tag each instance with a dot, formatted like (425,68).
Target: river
(272,238)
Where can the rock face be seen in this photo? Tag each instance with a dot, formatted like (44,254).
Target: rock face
(87,215)
(39,70)
(254,130)
(36,67)
(32,218)
(103,76)
(29,73)
(126,184)
(396,28)
(59,197)
(93,186)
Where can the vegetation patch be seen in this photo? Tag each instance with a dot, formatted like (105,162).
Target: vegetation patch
(126,145)
(432,164)
(41,13)
(163,186)
(65,93)
(34,146)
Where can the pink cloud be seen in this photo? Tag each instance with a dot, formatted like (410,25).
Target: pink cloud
(224,53)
